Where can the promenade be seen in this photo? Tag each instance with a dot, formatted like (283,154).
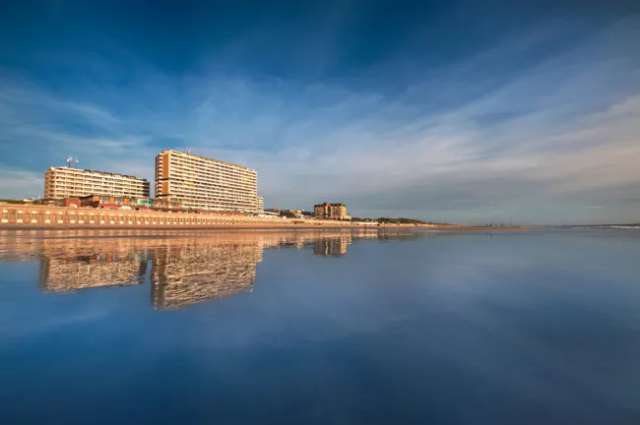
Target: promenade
(23,216)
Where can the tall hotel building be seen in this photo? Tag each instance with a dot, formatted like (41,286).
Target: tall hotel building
(192,181)
(66,182)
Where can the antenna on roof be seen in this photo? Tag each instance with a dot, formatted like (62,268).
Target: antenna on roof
(188,150)
(71,161)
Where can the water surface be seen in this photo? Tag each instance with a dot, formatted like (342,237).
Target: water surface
(109,327)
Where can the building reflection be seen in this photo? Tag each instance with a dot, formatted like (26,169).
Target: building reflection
(183,268)
(72,274)
(197,272)
(82,265)
(333,247)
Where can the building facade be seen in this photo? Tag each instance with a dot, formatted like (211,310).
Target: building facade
(67,182)
(191,181)
(102,201)
(327,211)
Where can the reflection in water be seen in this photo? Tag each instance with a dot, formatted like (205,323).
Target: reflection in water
(185,267)
(196,271)
(542,326)
(91,271)
(71,264)
(333,247)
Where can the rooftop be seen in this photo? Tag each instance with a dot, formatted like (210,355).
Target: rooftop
(206,158)
(86,170)
(333,204)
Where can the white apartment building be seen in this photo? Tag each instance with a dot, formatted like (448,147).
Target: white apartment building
(66,182)
(193,181)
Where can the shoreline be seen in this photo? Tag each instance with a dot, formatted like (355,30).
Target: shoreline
(277,227)
(46,217)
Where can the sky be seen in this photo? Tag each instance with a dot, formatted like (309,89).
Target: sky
(458,111)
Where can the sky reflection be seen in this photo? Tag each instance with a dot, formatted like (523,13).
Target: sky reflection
(538,327)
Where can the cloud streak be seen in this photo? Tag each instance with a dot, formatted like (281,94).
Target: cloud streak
(553,142)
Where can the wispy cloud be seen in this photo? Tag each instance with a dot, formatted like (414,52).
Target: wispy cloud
(20,184)
(543,144)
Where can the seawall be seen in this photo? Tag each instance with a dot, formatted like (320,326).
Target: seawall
(25,216)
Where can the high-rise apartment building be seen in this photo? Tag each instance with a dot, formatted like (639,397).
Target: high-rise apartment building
(66,182)
(193,181)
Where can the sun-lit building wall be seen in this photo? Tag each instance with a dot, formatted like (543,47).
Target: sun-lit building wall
(67,182)
(193,181)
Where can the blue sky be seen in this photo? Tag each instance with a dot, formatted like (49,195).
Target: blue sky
(471,112)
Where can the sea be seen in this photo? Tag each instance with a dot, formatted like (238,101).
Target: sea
(320,327)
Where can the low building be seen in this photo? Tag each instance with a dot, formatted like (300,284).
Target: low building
(68,182)
(97,201)
(291,213)
(72,202)
(334,211)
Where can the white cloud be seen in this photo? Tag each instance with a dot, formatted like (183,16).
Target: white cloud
(566,127)
(20,183)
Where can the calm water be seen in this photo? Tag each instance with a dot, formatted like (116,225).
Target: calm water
(320,328)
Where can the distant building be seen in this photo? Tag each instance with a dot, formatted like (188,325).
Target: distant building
(193,181)
(291,213)
(327,211)
(295,213)
(67,182)
(271,213)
